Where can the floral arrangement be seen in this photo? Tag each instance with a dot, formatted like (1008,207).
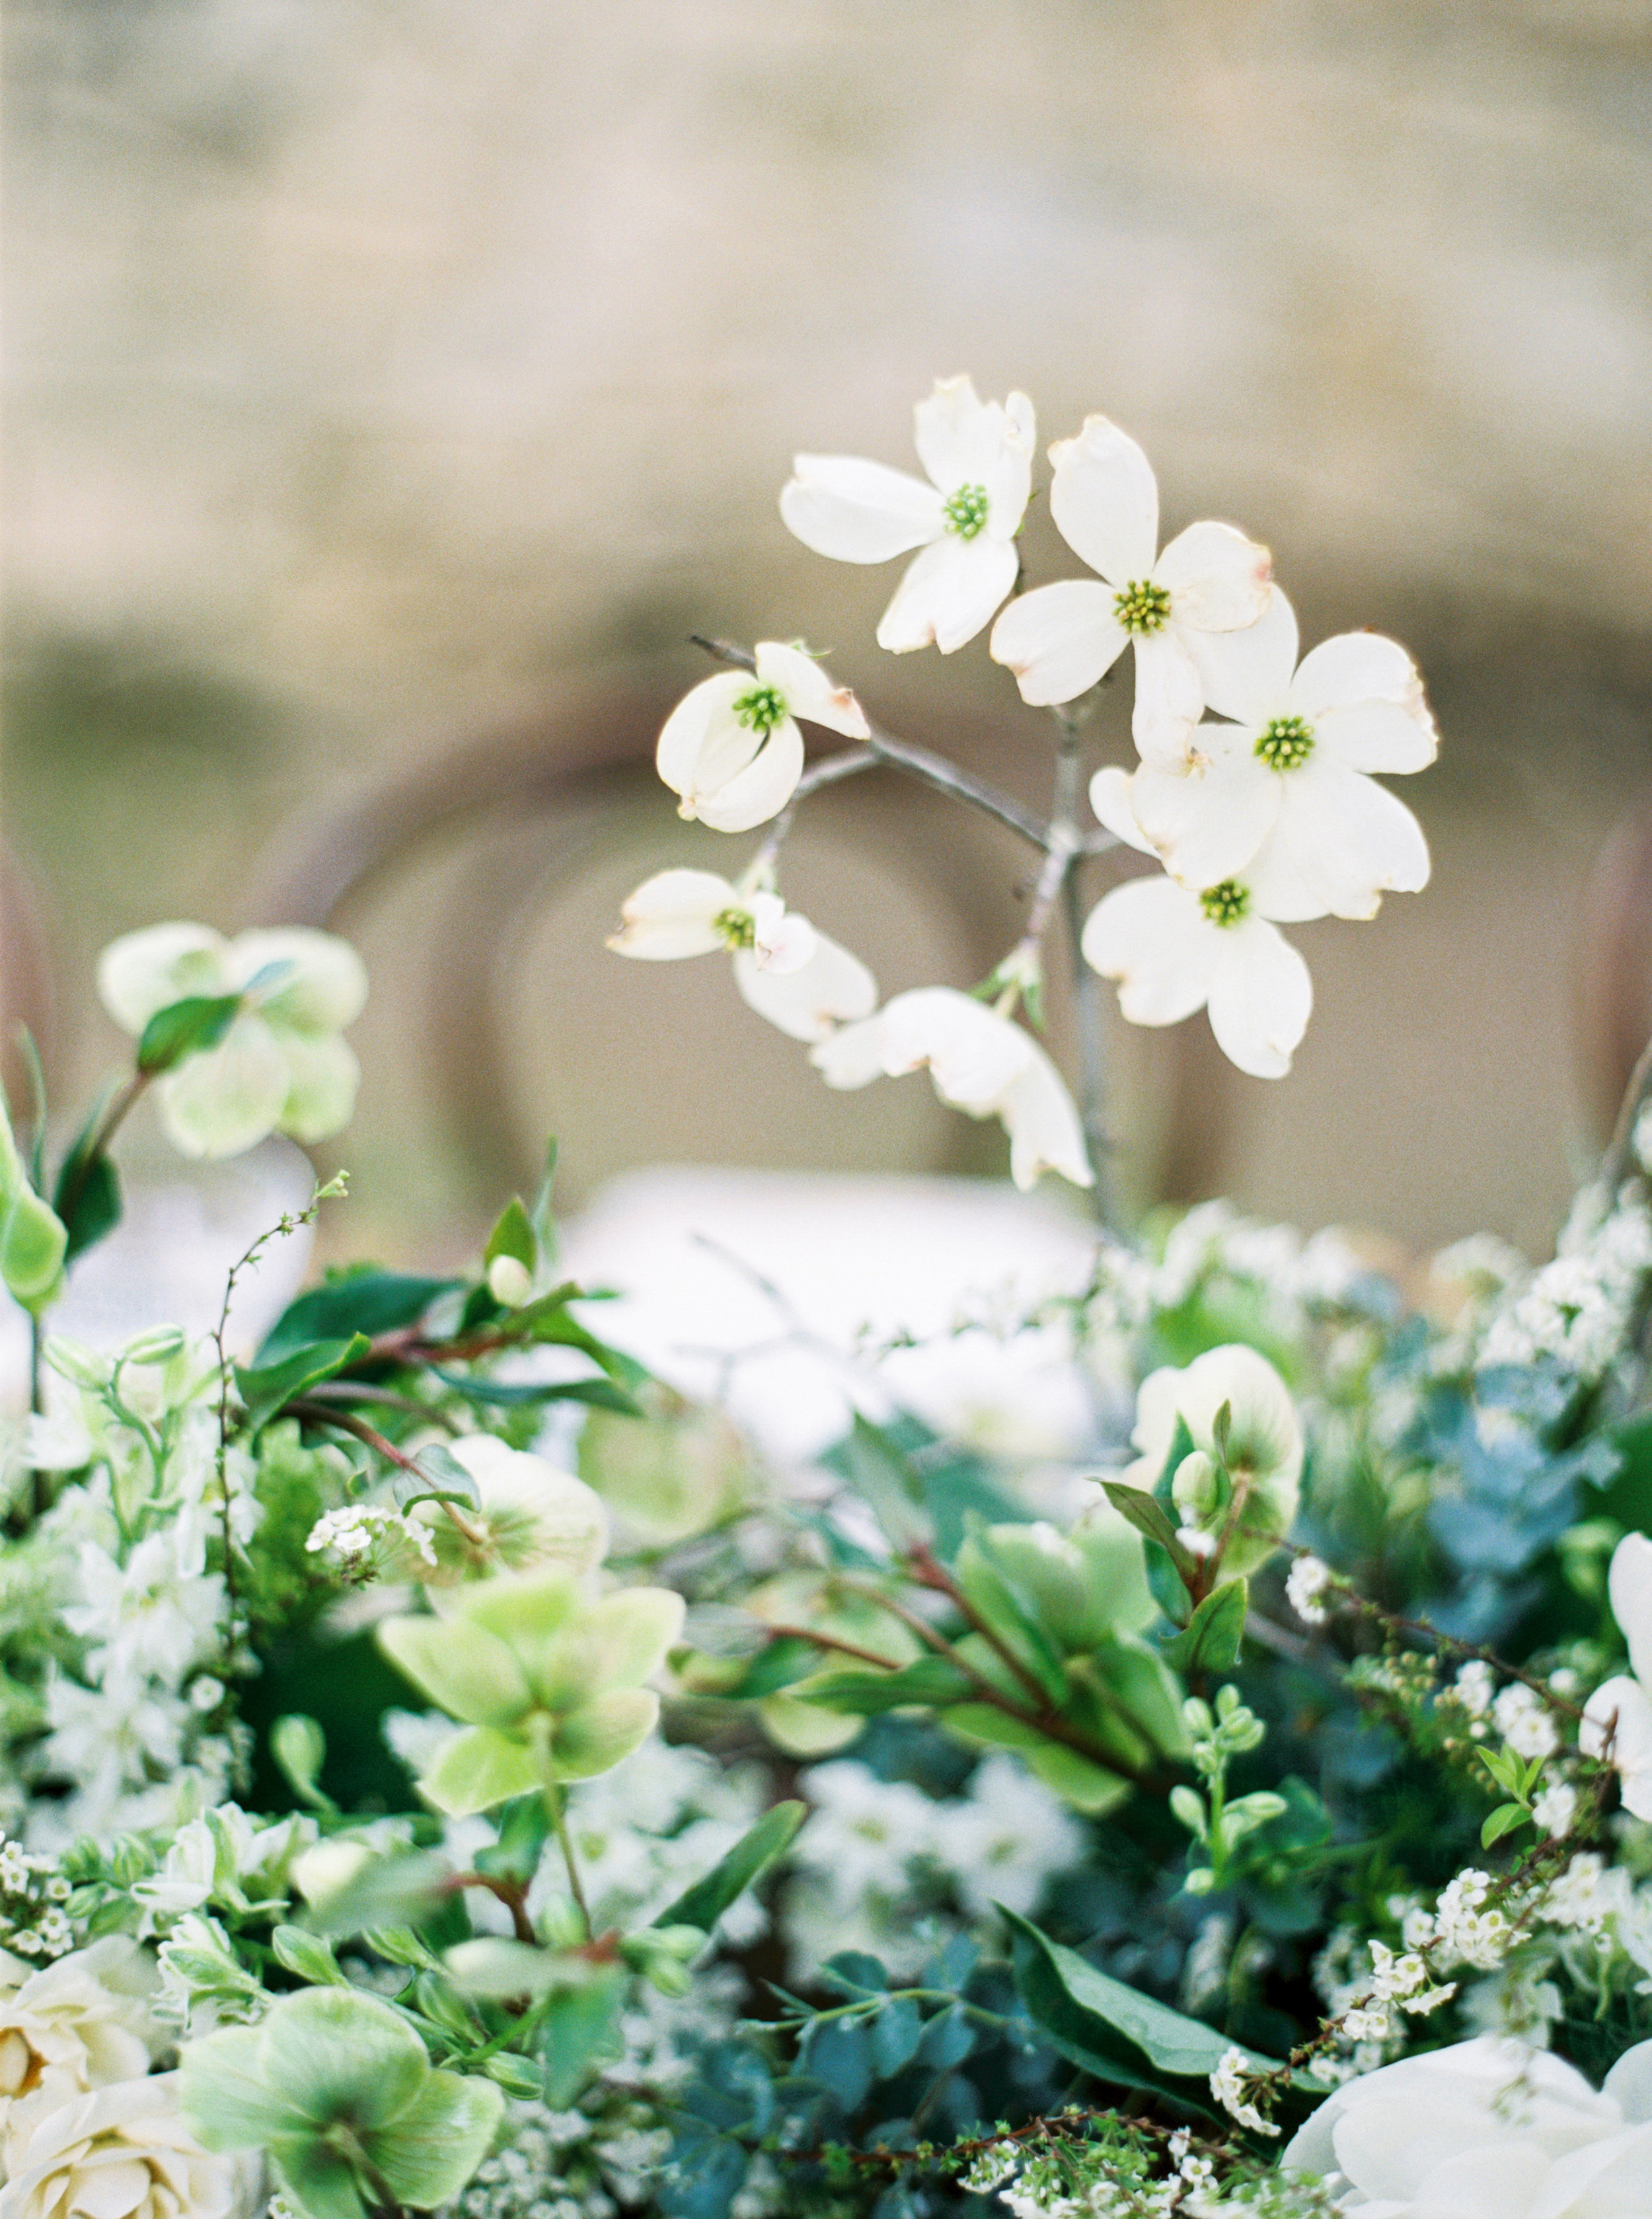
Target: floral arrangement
(443,1770)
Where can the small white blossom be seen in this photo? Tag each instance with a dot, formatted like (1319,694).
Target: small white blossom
(1526,1726)
(978,457)
(1306,1585)
(731,747)
(1474,1687)
(1228,2083)
(1466,1928)
(1061,640)
(1555,1810)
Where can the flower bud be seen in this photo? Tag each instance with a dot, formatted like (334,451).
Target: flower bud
(1196,1487)
(509,1282)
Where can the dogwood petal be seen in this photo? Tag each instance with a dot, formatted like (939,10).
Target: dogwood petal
(1153,936)
(851,1056)
(781,939)
(1112,796)
(807,690)
(964,441)
(1347,839)
(1044,1134)
(859,512)
(1104,499)
(1356,665)
(1376,735)
(948,593)
(703,722)
(323,1077)
(1219,579)
(809,1003)
(324,986)
(1170,698)
(1246,673)
(1279,890)
(1208,821)
(1630,1585)
(1059,640)
(759,791)
(973,1054)
(671,915)
(230,1098)
(1622,1708)
(143,971)
(1261,998)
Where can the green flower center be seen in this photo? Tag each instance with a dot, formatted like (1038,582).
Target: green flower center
(1143,606)
(1285,744)
(965,510)
(761,709)
(1226,903)
(736,928)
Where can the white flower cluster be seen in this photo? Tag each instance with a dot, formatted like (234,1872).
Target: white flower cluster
(880,1855)
(1230,2085)
(1397,1983)
(33,1892)
(1577,1311)
(1464,1928)
(1307,1584)
(130,1729)
(368,1541)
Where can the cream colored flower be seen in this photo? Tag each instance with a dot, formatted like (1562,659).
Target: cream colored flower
(123,2152)
(530,1516)
(79,2024)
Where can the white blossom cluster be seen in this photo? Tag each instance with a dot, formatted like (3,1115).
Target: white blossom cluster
(131,1723)
(1577,1311)
(33,1922)
(371,1541)
(879,1858)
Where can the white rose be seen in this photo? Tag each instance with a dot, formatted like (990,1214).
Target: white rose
(124,2152)
(79,2024)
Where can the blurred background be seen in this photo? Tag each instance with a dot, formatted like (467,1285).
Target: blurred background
(392,391)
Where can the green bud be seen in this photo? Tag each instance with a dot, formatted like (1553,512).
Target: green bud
(299,1747)
(34,1240)
(1189,1807)
(1196,1487)
(308,1955)
(74,1361)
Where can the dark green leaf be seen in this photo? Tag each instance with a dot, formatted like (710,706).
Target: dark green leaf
(360,1302)
(1210,1640)
(602,1394)
(703,1903)
(524,1828)
(1147,1516)
(895,2033)
(774,1666)
(1111,2030)
(265,1387)
(947,2040)
(184,1028)
(89,1202)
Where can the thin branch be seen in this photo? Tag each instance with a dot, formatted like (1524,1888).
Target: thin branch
(1089,1014)
(918,763)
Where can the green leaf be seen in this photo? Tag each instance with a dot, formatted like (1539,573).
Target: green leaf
(308,1955)
(602,1394)
(895,2033)
(436,1473)
(703,1903)
(1503,1820)
(300,1748)
(1210,1641)
(1148,1517)
(512,1235)
(184,1028)
(1111,2030)
(88,1199)
(539,1217)
(266,1386)
(931,1681)
(581,2030)
(359,1301)
(886,1483)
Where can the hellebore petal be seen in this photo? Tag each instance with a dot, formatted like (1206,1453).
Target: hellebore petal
(229,1097)
(602,1733)
(324,986)
(617,1642)
(337,2054)
(464,1667)
(144,971)
(322,1079)
(477,1768)
(436,2143)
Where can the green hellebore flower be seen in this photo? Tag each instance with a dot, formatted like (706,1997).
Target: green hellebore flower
(281,1065)
(336,2087)
(549,1683)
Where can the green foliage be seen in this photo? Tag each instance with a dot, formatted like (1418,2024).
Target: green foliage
(184,1029)
(703,1903)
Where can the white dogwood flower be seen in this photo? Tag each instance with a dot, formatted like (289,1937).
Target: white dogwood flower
(1174,950)
(281,1066)
(789,973)
(979,1063)
(1621,1711)
(731,747)
(1285,790)
(1209,582)
(978,456)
